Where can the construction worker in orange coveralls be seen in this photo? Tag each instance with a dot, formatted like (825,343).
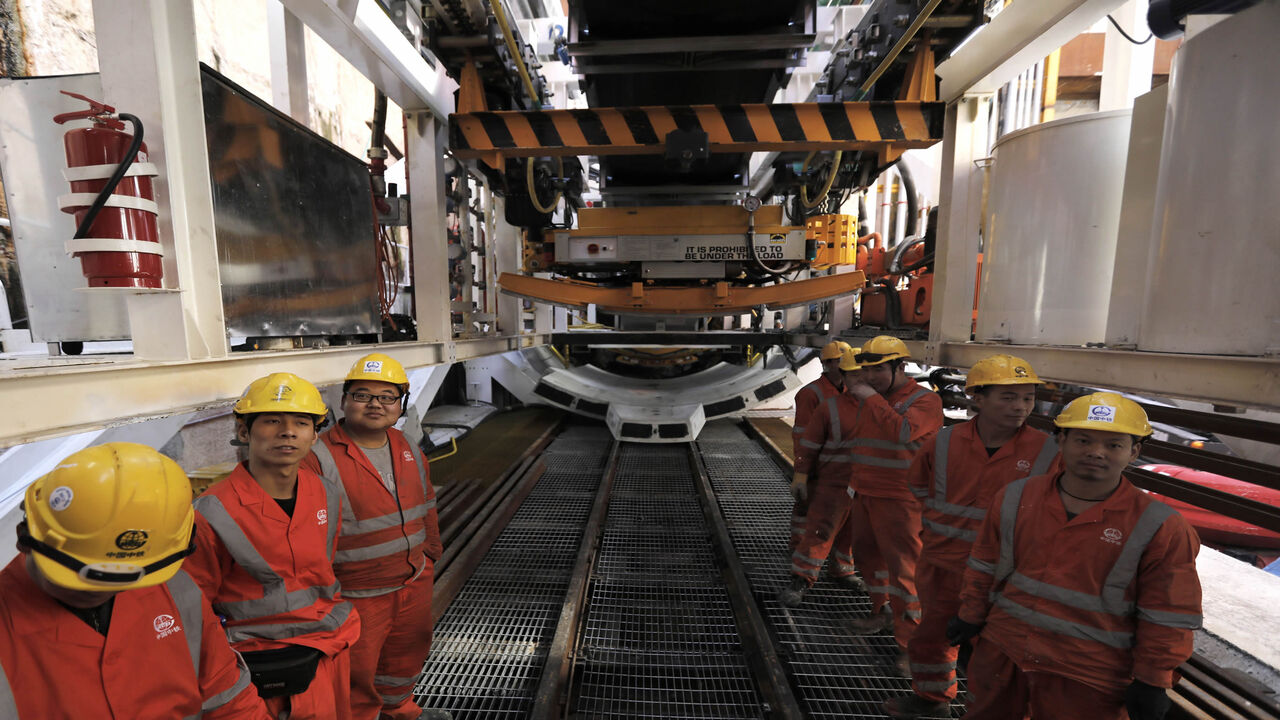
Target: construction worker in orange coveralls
(390,538)
(1083,588)
(265,541)
(828,385)
(822,476)
(897,416)
(955,475)
(97,620)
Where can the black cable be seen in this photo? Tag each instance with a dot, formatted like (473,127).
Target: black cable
(1127,36)
(105,193)
(913,202)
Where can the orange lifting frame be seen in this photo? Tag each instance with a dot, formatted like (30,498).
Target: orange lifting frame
(719,298)
(886,127)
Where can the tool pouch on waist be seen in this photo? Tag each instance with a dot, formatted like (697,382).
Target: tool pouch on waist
(285,671)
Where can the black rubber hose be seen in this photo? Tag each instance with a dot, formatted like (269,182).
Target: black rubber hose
(106,191)
(379,119)
(913,203)
(863,228)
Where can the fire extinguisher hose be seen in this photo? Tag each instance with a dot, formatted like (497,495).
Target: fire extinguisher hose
(110,187)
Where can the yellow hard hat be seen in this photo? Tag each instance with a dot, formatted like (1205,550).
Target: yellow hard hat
(111,517)
(834,349)
(1001,370)
(281,392)
(1106,411)
(849,361)
(882,349)
(383,368)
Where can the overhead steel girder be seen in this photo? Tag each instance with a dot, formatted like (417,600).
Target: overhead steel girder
(871,126)
(716,299)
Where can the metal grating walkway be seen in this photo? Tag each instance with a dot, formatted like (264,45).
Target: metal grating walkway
(491,644)
(834,673)
(659,638)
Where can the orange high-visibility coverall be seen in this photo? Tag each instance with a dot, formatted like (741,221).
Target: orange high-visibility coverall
(810,397)
(163,656)
(955,479)
(823,453)
(271,576)
(886,517)
(386,553)
(1095,601)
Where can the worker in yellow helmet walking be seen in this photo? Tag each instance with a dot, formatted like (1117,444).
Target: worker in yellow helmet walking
(955,475)
(1083,588)
(97,619)
(810,397)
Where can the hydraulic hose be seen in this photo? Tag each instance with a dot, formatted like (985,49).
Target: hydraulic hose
(913,203)
(533,191)
(895,260)
(826,187)
(105,193)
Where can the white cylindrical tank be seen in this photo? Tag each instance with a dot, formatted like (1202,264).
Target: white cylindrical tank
(1215,245)
(1053,214)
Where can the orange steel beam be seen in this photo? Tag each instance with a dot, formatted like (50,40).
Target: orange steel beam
(719,298)
(873,126)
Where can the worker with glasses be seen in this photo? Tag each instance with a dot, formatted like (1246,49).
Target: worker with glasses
(390,538)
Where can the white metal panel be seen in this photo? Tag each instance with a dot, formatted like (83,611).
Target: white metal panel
(1217,236)
(1022,34)
(1133,240)
(1054,211)
(31,160)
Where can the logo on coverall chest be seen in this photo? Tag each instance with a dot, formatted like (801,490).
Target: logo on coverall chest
(1024,465)
(408,456)
(1112,536)
(165,626)
(322,516)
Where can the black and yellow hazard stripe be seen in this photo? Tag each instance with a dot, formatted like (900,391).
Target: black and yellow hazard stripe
(729,128)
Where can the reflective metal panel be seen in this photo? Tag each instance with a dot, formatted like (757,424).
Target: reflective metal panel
(31,162)
(294,220)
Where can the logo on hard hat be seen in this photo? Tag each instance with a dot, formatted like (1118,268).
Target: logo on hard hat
(373,366)
(1024,465)
(131,539)
(1112,535)
(284,392)
(1102,413)
(322,516)
(60,498)
(1020,371)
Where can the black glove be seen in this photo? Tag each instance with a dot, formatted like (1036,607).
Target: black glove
(960,632)
(1146,702)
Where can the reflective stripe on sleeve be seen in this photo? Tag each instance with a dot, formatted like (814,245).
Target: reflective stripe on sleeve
(1185,621)
(226,696)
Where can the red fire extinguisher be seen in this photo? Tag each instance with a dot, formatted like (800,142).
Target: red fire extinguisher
(117,237)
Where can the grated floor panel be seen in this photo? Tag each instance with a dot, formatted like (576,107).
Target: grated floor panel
(659,638)
(835,674)
(489,648)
